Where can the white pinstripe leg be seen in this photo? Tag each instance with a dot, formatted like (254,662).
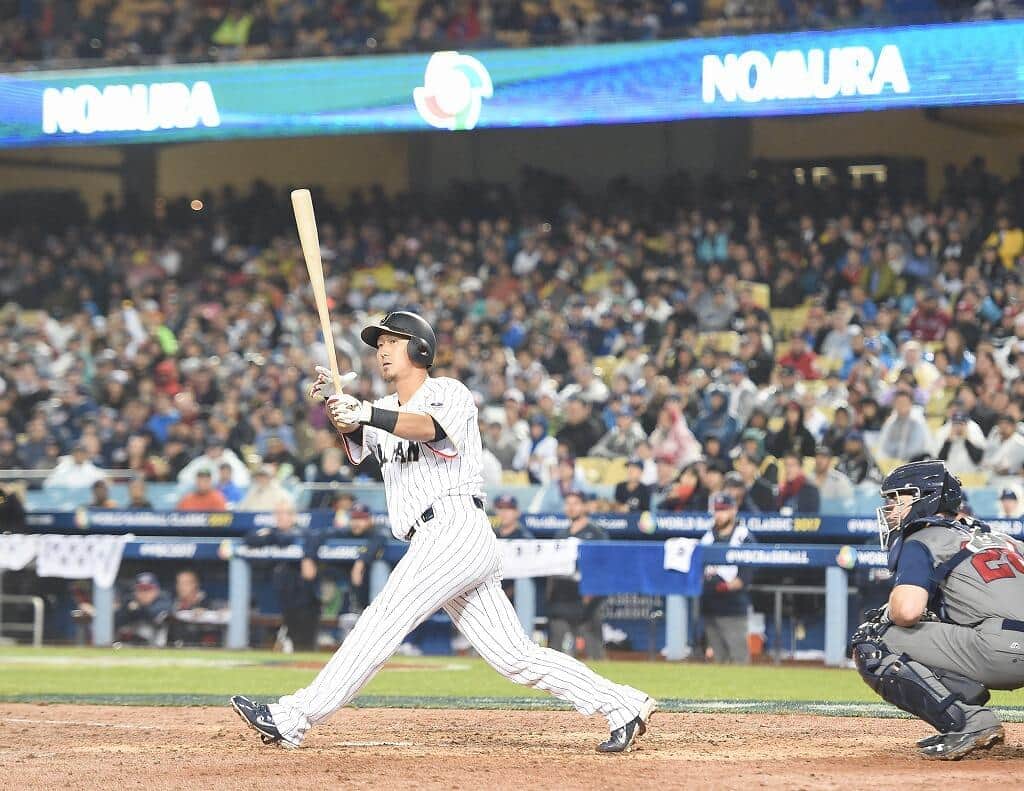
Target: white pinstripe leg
(486,618)
(441,563)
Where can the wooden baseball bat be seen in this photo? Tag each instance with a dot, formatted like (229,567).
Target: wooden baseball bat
(302,203)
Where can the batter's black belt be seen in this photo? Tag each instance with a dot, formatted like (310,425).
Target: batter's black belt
(427,515)
(1012,625)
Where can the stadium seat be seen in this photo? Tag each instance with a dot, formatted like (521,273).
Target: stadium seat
(514,478)
(761,292)
(615,471)
(592,468)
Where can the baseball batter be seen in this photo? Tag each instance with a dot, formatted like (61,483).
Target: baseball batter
(954,624)
(426,438)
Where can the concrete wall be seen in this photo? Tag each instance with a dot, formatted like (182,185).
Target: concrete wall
(63,173)
(994,133)
(336,163)
(588,155)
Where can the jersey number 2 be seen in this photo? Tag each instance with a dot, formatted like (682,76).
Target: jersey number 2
(997,564)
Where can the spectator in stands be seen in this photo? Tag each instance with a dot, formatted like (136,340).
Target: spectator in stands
(569,613)
(297,585)
(1008,242)
(961,444)
(195,618)
(800,358)
(835,434)
(12,509)
(9,457)
(929,321)
(715,420)
(502,442)
(264,493)
(632,495)
(216,454)
(832,484)
(75,471)
(686,494)
(792,436)
(1004,449)
(226,486)
(734,486)
(101,496)
(203,497)
(1009,504)
(582,430)
(371,549)
(904,434)
(742,393)
(623,438)
(137,499)
(760,491)
(796,493)
(672,438)
(856,462)
(142,619)
(509,526)
(725,600)
(538,454)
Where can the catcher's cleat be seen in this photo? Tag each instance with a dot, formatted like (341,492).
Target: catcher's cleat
(928,741)
(622,739)
(257,716)
(954,746)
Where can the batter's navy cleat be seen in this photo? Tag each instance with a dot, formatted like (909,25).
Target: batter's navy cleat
(257,716)
(622,739)
(954,746)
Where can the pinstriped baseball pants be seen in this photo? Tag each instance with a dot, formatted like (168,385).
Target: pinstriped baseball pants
(452,563)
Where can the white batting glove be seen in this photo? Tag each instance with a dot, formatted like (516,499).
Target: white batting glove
(348,410)
(323,387)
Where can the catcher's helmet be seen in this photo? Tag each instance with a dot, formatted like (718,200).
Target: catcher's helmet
(422,341)
(933,489)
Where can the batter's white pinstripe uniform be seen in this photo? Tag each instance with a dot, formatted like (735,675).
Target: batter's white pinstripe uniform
(452,563)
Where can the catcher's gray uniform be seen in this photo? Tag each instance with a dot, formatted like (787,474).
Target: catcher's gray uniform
(976,581)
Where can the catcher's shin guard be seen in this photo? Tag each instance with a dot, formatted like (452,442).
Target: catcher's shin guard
(911,686)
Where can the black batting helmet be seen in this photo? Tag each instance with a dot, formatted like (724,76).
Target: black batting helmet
(422,341)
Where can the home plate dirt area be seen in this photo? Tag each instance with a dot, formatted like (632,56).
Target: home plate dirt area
(129,747)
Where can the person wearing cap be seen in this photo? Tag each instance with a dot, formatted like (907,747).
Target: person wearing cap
(801,358)
(204,497)
(215,454)
(736,487)
(74,471)
(725,598)
(856,461)
(1010,504)
(264,492)
(832,484)
(142,617)
(508,525)
(569,613)
(622,438)
(772,400)
(929,321)
(371,548)
(1004,449)
(632,495)
(297,585)
(961,444)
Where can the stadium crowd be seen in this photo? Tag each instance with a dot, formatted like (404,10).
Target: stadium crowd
(127,32)
(591,332)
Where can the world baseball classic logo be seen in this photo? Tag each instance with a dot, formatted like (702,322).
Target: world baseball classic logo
(454,87)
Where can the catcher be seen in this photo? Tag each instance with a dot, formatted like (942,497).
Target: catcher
(954,625)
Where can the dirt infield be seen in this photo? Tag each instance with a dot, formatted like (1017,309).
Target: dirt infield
(88,747)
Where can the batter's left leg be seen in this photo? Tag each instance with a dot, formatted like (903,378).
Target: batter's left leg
(487,619)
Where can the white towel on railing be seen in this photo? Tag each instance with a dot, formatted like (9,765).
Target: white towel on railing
(17,551)
(528,557)
(81,557)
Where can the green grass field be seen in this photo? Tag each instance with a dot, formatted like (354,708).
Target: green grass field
(170,677)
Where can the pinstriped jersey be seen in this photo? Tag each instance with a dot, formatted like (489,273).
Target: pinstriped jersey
(416,474)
